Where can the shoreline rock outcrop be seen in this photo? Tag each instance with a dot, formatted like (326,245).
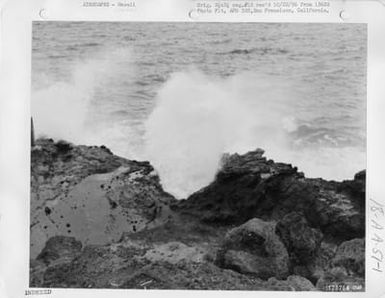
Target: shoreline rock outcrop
(102,221)
(251,186)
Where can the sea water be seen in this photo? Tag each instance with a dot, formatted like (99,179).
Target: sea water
(181,94)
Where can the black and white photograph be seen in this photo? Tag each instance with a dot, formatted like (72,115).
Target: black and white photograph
(198,156)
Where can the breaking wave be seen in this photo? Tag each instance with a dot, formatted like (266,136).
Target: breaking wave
(197,118)
(78,108)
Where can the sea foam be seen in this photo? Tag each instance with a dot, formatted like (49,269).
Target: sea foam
(68,108)
(198,117)
(195,119)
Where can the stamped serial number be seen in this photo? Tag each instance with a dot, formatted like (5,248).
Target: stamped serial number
(343,287)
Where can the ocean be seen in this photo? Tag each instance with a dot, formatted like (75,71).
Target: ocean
(181,94)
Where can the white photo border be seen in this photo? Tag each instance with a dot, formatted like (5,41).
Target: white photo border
(16,18)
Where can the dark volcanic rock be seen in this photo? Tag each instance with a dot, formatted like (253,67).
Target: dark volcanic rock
(60,247)
(102,221)
(355,189)
(301,241)
(351,255)
(250,186)
(254,248)
(244,262)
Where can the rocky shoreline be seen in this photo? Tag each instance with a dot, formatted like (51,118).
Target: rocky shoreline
(102,221)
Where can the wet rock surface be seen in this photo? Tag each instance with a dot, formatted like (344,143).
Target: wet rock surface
(90,194)
(102,221)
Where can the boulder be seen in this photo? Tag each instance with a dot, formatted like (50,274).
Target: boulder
(351,256)
(254,248)
(300,240)
(60,247)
